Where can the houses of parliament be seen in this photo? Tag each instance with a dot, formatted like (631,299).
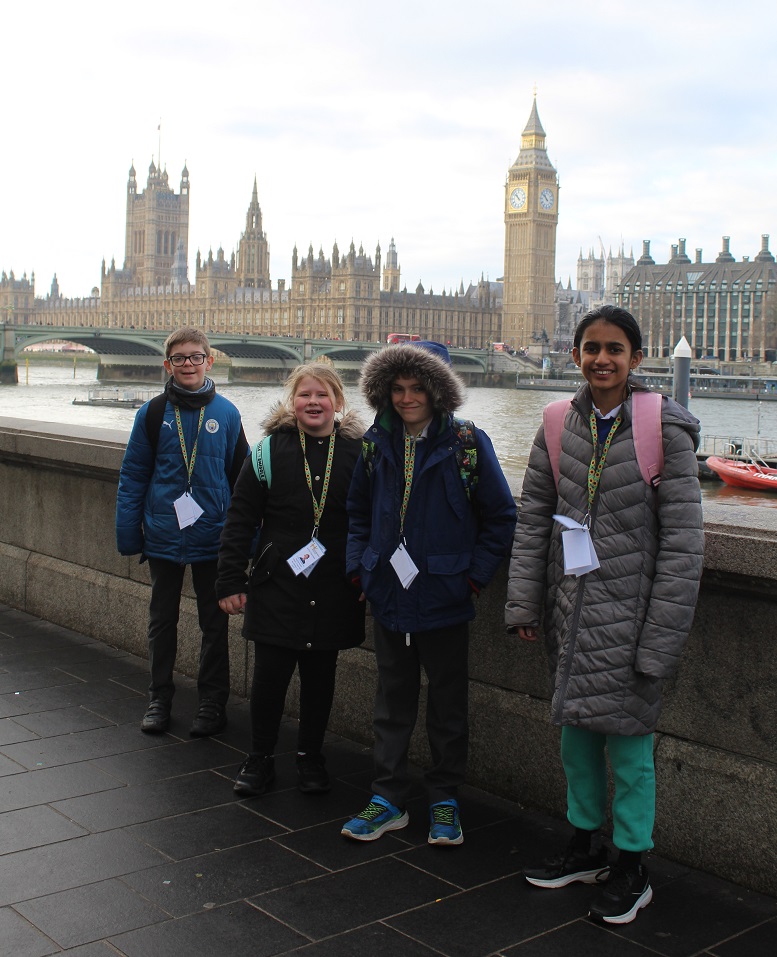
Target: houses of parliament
(725,309)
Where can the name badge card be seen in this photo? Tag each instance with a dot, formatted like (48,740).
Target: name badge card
(187,510)
(579,553)
(306,558)
(404,566)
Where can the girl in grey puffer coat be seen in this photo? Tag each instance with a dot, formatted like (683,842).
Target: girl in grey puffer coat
(614,634)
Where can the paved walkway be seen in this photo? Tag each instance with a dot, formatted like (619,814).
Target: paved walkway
(114,842)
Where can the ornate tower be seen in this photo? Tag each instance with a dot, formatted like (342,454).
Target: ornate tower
(531,218)
(156,219)
(253,257)
(391,271)
(590,275)
(617,267)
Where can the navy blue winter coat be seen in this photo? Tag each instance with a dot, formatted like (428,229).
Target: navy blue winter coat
(452,541)
(146,520)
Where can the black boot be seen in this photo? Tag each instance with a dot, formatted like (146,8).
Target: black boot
(313,778)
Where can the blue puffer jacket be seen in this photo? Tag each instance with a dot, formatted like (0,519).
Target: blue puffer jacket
(146,520)
(452,541)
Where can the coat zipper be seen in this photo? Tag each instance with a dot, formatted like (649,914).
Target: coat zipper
(562,688)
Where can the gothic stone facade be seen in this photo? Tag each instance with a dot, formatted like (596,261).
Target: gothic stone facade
(346,297)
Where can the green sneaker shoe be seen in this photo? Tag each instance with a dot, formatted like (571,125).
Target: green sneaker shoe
(377,817)
(445,824)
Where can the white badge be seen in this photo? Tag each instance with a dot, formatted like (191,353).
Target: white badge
(579,553)
(187,510)
(306,558)
(404,566)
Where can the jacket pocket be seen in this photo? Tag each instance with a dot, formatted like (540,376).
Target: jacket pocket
(450,576)
(265,563)
(370,558)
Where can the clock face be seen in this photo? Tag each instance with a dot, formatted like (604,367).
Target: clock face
(518,198)
(546,199)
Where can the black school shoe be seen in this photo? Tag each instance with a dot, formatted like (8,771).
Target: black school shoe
(571,866)
(211,718)
(156,720)
(313,778)
(624,894)
(256,775)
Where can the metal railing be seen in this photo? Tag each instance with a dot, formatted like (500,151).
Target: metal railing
(732,446)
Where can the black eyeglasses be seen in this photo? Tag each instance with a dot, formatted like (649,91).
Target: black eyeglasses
(196,360)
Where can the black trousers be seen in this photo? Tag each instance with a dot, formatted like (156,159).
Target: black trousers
(443,653)
(166,585)
(273,667)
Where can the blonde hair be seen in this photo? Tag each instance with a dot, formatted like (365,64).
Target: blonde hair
(323,372)
(180,336)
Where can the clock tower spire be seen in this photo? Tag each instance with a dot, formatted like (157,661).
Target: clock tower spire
(531,219)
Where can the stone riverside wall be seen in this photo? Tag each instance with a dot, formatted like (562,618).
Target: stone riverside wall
(716,750)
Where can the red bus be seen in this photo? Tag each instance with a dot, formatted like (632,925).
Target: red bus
(394,338)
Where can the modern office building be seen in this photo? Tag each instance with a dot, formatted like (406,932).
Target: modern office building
(726,309)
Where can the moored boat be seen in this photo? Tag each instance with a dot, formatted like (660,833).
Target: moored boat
(749,475)
(119,398)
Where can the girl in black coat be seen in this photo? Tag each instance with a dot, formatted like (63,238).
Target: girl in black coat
(299,608)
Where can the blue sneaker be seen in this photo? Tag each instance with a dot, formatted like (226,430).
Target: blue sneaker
(377,817)
(445,824)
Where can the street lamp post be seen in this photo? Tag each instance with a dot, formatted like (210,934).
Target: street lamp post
(681,383)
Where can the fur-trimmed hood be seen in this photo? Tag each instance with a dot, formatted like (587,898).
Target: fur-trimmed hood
(279,417)
(442,385)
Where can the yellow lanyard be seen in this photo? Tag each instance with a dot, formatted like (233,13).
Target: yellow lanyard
(318,507)
(410,443)
(189,464)
(595,468)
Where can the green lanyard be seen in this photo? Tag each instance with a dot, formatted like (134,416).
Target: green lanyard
(410,441)
(595,468)
(189,464)
(318,507)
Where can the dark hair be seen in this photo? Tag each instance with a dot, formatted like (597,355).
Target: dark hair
(618,317)
(181,336)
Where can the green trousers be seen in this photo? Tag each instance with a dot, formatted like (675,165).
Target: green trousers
(633,771)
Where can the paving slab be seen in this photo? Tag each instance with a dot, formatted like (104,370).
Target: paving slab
(113,842)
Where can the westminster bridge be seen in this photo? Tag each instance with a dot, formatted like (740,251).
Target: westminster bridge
(133,355)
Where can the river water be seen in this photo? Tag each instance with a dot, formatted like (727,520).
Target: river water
(45,393)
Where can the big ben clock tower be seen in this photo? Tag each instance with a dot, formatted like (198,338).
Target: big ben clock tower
(531,218)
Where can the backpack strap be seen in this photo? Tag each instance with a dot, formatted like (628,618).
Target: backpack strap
(260,458)
(648,436)
(155,414)
(467,455)
(553,416)
(368,454)
(646,429)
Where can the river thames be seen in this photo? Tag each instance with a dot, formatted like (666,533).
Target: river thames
(45,393)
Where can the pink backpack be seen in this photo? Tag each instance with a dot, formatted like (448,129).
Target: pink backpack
(645,424)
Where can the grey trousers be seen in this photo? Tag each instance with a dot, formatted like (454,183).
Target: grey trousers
(443,653)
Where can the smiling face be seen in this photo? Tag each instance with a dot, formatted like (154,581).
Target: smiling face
(315,407)
(412,404)
(605,358)
(189,376)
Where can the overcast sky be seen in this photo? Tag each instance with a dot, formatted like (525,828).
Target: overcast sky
(363,120)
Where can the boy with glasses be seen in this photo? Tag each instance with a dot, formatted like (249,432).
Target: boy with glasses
(184,454)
